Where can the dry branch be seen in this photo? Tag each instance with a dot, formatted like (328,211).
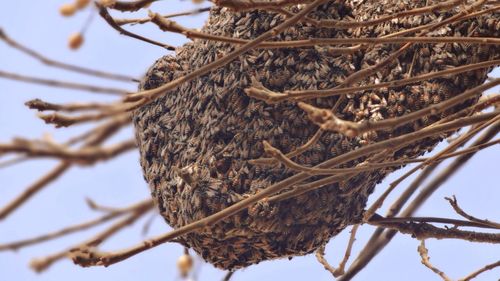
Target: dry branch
(423,230)
(458,210)
(147,96)
(63,84)
(424,254)
(41,264)
(381,238)
(13,246)
(86,253)
(481,270)
(339,271)
(103,12)
(83,156)
(96,137)
(62,65)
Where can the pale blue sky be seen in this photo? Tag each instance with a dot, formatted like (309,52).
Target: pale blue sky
(38,25)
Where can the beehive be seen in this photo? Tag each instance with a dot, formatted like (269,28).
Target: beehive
(196,140)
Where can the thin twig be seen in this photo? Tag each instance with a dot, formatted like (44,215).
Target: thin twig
(42,264)
(299,150)
(147,96)
(380,238)
(63,84)
(130,6)
(339,271)
(83,156)
(103,12)
(91,257)
(54,63)
(327,120)
(461,212)
(228,276)
(100,134)
(423,230)
(74,228)
(424,254)
(145,20)
(244,5)
(476,273)
(271,97)
(41,105)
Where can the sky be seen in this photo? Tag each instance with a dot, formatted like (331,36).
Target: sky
(38,25)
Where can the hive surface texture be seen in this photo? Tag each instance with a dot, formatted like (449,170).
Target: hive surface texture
(195,141)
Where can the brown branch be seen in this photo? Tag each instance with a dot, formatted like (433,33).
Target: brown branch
(423,230)
(13,246)
(62,120)
(62,84)
(363,151)
(171,26)
(455,222)
(42,264)
(41,105)
(130,6)
(461,212)
(34,188)
(54,63)
(320,255)
(103,12)
(374,245)
(84,156)
(380,238)
(244,5)
(340,24)
(101,208)
(327,120)
(476,273)
(365,166)
(228,276)
(99,135)
(268,161)
(396,207)
(478,107)
(424,254)
(91,257)
(148,95)
(145,20)
(261,93)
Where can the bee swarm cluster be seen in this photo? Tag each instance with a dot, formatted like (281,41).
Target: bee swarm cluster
(195,141)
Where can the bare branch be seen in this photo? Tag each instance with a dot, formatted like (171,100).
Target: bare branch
(63,84)
(41,105)
(327,120)
(243,5)
(103,12)
(424,254)
(339,271)
(259,92)
(42,264)
(423,230)
(454,204)
(70,67)
(145,20)
(84,156)
(476,273)
(98,135)
(380,238)
(129,6)
(74,228)
(148,95)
